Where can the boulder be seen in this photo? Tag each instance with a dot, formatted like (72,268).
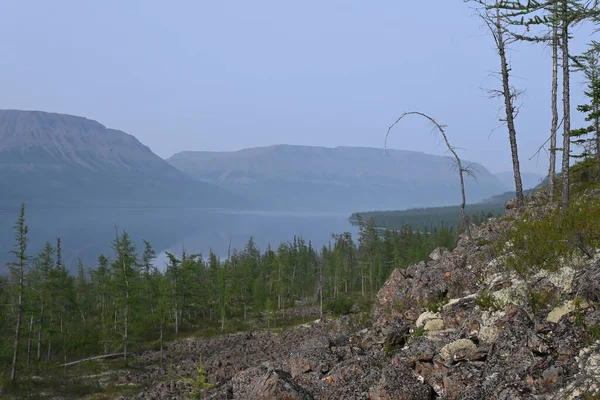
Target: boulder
(277,384)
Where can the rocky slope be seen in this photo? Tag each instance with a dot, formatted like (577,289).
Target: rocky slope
(58,159)
(340,178)
(433,333)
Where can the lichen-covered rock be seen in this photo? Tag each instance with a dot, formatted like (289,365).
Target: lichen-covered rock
(558,312)
(587,380)
(459,349)
(588,284)
(426,316)
(438,254)
(273,384)
(398,382)
(433,325)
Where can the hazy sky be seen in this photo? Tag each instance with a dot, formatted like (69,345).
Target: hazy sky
(225,75)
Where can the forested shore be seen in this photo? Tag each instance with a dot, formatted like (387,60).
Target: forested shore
(125,303)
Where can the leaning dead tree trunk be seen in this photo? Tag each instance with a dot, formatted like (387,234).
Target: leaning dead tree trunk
(114,355)
(497,23)
(509,106)
(461,169)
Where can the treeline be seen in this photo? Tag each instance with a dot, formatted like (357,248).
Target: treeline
(49,316)
(426,218)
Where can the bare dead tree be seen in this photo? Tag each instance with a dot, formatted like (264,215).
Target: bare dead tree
(554,104)
(462,170)
(564,36)
(496,23)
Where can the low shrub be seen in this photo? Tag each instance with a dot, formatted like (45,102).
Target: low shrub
(339,306)
(544,242)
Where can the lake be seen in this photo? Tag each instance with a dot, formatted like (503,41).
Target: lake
(86,233)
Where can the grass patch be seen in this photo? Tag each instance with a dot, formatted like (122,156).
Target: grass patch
(536,243)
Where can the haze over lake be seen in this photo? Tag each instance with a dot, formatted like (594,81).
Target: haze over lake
(88,232)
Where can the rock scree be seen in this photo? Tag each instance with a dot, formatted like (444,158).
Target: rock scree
(405,350)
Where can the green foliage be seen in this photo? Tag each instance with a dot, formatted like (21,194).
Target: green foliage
(387,347)
(430,217)
(541,300)
(199,384)
(589,64)
(125,303)
(480,241)
(593,332)
(537,242)
(340,306)
(436,306)
(487,302)
(416,332)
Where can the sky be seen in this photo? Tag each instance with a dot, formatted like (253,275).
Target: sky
(227,75)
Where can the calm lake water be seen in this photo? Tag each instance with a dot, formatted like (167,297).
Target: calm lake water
(87,233)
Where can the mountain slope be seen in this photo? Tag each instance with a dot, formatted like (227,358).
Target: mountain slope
(57,159)
(341,178)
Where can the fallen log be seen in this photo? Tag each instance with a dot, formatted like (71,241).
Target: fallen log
(113,355)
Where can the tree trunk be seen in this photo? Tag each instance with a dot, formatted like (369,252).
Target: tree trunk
(222,320)
(39,338)
(104,356)
(29,340)
(103,323)
(161,345)
(362,283)
(463,202)
(126,330)
(509,108)
(320,288)
(596,110)
(554,106)
(62,336)
(566,104)
(50,325)
(13,371)
(176,319)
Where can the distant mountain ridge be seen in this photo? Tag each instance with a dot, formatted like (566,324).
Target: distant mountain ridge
(529,179)
(58,159)
(339,178)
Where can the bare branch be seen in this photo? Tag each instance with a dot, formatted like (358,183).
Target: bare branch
(451,149)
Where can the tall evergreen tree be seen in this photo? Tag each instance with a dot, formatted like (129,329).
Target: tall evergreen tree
(17,269)
(124,273)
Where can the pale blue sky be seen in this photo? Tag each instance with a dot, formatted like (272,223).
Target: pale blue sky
(225,75)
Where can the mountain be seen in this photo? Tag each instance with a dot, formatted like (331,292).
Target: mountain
(529,179)
(57,159)
(339,179)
